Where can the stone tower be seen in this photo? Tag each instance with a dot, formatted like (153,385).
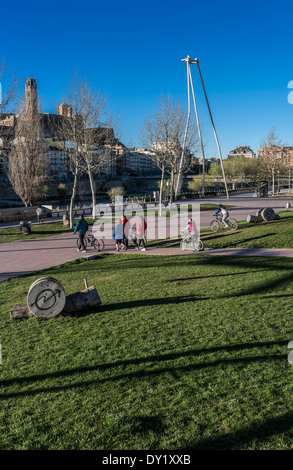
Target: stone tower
(31,96)
(64,110)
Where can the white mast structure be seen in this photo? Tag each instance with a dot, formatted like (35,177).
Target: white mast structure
(189,61)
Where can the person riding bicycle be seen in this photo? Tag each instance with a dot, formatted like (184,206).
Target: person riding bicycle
(192,230)
(82,228)
(224,213)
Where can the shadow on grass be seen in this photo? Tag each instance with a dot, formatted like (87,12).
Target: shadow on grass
(152,360)
(142,424)
(240,241)
(258,431)
(141,374)
(214,275)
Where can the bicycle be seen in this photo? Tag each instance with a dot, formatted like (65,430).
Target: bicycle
(97,244)
(186,243)
(216,224)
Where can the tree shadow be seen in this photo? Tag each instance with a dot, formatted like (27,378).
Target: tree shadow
(236,243)
(154,359)
(142,374)
(212,276)
(140,424)
(258,431)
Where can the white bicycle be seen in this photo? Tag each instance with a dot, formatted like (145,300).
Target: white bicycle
(187,243)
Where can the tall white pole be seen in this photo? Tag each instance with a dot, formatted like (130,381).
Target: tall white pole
(199,133)
(187,60)
(214,129)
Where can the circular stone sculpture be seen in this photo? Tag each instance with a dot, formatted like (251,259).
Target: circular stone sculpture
(268,214)
(46,297)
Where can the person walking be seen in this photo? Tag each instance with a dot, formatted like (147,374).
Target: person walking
(125,224)
(82,228)
(118,235)
(39,212)
(140,232)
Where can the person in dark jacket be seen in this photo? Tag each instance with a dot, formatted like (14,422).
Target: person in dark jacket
(125,224)
(82,228)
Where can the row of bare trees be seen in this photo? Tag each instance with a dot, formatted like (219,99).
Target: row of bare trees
(90,136)
(270,164)
(87,134)
(163,133)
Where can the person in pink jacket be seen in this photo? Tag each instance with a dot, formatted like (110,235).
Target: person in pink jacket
(191,228)
(140,233)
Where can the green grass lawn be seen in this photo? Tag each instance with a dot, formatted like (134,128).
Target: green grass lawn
(186,352)
(14,234)
(56,228)
(275,234)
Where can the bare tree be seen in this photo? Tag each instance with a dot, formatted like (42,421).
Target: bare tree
(28,165)
(9,102)
(272,161)
(163,132)
(88,130)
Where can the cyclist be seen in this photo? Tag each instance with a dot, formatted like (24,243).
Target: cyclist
(82,228)
(224,213)
(191,228)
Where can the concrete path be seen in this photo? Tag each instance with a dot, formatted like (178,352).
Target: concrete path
(18,258)
(26,256)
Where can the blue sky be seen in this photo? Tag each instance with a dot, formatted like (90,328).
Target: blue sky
(132,51)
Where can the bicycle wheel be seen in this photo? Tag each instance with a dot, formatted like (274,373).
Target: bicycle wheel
(99,244)
(183,245)
(215,225)
(198,245)
(233,224)
(84,241)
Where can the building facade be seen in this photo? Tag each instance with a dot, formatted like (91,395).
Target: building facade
(281,153)
(242,151)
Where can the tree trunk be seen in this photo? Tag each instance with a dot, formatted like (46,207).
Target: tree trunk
(79,301)
(171,186)
(93,191)
(273,177)
(161,190)
(72,199)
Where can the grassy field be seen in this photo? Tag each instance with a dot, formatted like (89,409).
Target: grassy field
(52,229)
(13,234)
(186,352)
(275,234)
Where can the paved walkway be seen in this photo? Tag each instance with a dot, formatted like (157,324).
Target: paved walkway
(18,258)
(26,256)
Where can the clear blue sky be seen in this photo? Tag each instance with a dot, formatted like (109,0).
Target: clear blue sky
(132,50)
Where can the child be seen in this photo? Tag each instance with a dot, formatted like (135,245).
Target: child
(224,214)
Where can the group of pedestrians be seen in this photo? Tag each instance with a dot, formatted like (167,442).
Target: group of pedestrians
(124,232)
